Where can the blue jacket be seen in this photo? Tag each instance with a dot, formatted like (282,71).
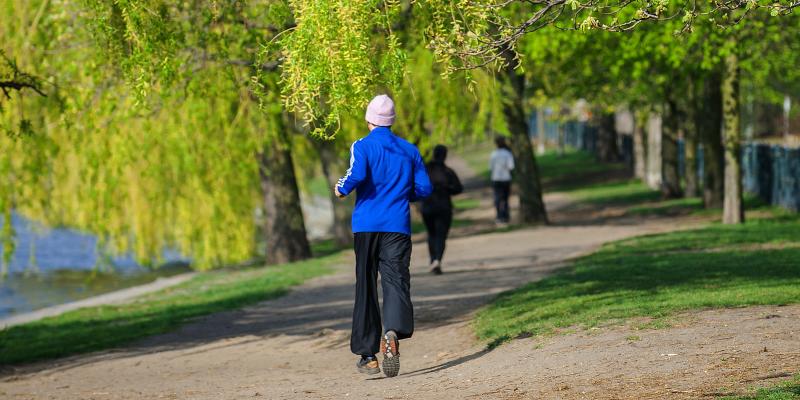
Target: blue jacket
(387,173)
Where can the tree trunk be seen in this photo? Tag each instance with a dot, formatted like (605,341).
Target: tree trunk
(540,130)
(284,227)
(342,208)
(709,125)
(690,158)
(640,146)
(670,178)
(607,150)
(654,151)
(733,210)
(526,173)
(690,135)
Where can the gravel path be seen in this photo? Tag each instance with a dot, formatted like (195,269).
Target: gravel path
(297,346)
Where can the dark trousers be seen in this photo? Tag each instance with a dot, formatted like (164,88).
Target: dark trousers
(438,226)
(501,192)
(389,254)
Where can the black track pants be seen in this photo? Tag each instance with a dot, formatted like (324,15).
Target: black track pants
(501,192)
(438,226)
(389,254)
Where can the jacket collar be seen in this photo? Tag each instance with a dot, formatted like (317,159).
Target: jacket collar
(381,130)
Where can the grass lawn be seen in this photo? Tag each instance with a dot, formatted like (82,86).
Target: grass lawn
(615,193)
(558,172)
(464,203)
(573,169)
(789,390)
(656,276)
(98,328)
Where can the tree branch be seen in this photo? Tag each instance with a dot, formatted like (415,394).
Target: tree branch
(15,85)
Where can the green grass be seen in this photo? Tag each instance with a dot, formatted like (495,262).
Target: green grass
(571,169)
(326,247)
(463,203)
(691,205)
(656,276)
(318,186)
(98,328)
(615,193)
(789,390)
(558,172)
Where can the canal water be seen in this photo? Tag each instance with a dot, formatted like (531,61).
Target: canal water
(55,266)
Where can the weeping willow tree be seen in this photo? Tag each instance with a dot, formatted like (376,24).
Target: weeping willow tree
(168,123)
(325,77)
(171,122)
(158,135)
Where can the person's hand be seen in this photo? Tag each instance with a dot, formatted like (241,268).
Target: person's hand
(336,192)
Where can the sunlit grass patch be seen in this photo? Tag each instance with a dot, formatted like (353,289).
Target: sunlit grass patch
(656,276)
(789,390)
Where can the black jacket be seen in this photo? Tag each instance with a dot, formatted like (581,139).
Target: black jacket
(445,184)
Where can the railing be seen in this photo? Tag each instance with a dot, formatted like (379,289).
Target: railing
(772,172)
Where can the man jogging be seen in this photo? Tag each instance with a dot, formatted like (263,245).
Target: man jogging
(387,172)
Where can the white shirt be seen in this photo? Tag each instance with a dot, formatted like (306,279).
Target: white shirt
(501,163)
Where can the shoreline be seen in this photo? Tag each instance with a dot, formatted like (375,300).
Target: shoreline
(115,297)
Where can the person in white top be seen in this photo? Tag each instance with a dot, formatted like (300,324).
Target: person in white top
(501,163)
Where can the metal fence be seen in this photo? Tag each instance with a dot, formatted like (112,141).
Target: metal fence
(771,172)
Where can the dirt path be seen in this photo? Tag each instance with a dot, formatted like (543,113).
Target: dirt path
(297,346)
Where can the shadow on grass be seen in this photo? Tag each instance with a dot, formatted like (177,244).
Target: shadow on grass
(576,169)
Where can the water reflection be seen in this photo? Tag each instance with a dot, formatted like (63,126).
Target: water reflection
(54,266)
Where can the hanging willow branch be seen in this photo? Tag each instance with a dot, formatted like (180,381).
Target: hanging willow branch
(469,34)
(12,78)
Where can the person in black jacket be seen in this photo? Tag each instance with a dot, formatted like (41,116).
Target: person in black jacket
(437,210)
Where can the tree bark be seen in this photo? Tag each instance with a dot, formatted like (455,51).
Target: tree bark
(690,158)
(342,208)
(733,210)
(690,135)
(670,178)
(607,150)
(640,146)
(284,227)
(526,174)
(654,126)
(709,125)
(542,138)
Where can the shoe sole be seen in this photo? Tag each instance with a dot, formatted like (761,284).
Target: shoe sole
(369,371)
(391,357)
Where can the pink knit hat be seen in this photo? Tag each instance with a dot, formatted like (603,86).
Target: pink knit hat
(380,111)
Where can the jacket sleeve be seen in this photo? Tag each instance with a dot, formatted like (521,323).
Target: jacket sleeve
(357,171)
(454,186)
(422,183)
(510,161)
